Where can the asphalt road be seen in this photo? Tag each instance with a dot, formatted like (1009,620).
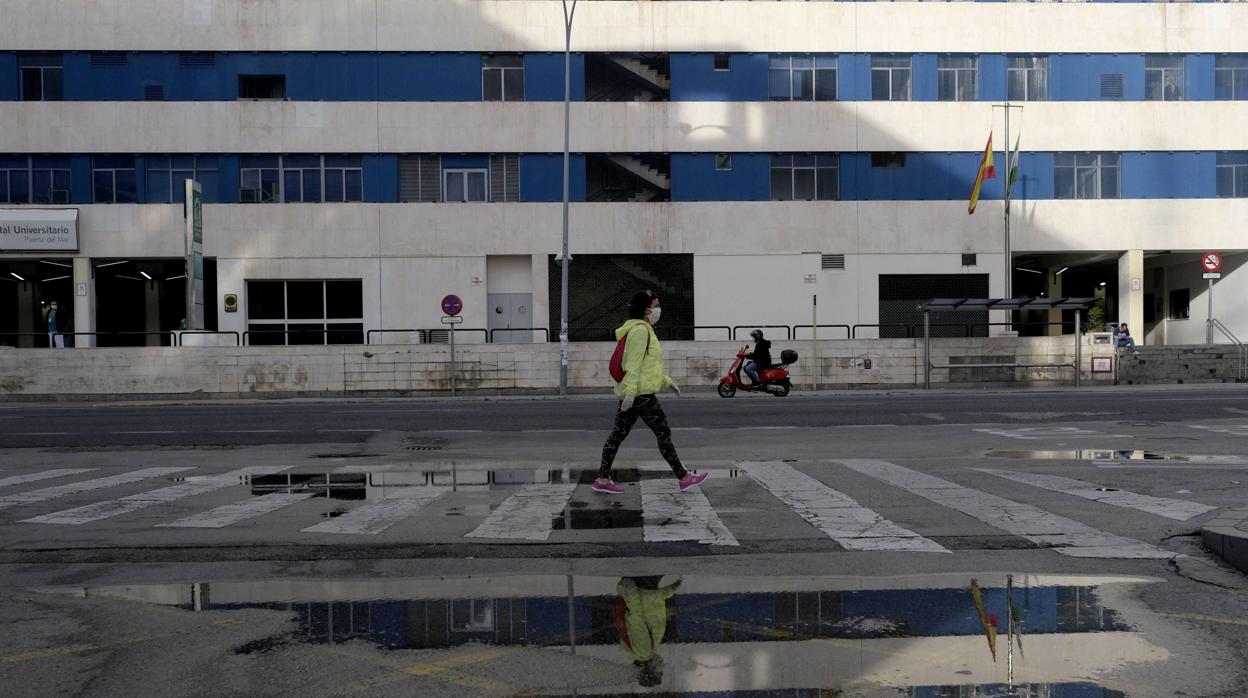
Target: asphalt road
(350,421)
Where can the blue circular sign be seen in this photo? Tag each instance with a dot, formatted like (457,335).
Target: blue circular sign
(452,305)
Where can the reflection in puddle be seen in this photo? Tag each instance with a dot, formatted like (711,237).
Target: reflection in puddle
(701,635)
(1095,454)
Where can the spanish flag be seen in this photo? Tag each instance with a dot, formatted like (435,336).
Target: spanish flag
(986,171)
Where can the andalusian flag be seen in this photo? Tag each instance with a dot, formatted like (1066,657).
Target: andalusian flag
(1012,177)
(986,171)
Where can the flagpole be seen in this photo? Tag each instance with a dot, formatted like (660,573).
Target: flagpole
(1009,271)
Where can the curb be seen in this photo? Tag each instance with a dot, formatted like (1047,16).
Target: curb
(1227,536)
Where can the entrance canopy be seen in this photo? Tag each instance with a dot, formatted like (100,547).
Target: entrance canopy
(982,304)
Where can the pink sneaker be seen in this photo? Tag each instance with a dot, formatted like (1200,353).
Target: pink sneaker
(692,480)
(606,486)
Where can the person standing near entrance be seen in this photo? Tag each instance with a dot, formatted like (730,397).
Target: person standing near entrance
(643,379)
(49,315)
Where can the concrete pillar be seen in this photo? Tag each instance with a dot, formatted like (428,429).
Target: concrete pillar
(84,304)
(1054,290)
(27,320)
(1131,292)
(151,313)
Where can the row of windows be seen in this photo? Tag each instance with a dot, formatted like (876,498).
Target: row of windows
(426,178)
(790,77)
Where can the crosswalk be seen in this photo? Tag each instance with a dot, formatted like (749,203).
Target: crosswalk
(798,496)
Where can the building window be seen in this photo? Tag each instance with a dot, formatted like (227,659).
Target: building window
(1230,77)
(301,179)
(723,61)
(166,174)
(809,177)
(42,78)
(466,185)
(504,178)
(113,178)
(305,312)
(262,87)
(344,178)
(1180,304)
(1232,175)
(890,78)
(956,78)
(723,162)
(14,179)
(1027,78)
(888,161)
(49,180)
(1163,78)
(260,179)
(802,78)
(1087,176)
(502,78)
(420,178)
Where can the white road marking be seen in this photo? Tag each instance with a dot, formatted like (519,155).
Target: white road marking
(844,520)
(44,433)
(776,427)
(334,431)
(1177,509)
(934,416)
(556,431)
(148,432)
(527,514)
(84,486)
(400,411)
(375,517)
(116,507)
(672,515)
(1232,429)
(1033,433)
(1236,410)
(43,475)
(230,514)
(1064,535)
(253,431)
(865,426)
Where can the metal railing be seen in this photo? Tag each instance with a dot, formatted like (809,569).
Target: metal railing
(821,327)
(530,330)
(180,334)
(853,333)
(1241,352)
(169,336)
(788,331)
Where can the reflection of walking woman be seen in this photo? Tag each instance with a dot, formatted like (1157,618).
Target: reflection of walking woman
(641,620)
(643,377)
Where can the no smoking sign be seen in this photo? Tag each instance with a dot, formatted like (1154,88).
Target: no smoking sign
(1211,262)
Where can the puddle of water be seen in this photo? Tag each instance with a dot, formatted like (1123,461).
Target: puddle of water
(579,518)
(729,636)
(1094,454)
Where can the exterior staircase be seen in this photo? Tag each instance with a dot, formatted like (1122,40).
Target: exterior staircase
(1217,363)
(642,170)
(643,71)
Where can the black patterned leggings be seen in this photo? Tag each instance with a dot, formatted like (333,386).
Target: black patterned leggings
(648,409)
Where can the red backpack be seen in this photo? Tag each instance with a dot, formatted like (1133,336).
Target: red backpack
(616,367)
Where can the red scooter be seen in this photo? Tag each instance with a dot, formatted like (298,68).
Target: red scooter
(774,381)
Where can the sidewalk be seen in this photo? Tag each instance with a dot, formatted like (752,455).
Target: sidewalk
(1227,537)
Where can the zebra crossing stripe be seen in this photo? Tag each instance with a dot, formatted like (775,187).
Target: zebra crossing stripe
(672,515)
(44,475)
(844,520)
(371,519)
(230,514)
(116,507)
(1064,535)
(85,486)
(527,514)
(1177,509)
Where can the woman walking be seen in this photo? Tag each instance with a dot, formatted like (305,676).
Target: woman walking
(643,378)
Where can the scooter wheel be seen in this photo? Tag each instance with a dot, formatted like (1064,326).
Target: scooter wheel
(785,387)
(727,390)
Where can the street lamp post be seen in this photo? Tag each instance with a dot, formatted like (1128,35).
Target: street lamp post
(564,260)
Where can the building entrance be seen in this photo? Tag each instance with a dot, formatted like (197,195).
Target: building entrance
(28,288)
(142,302)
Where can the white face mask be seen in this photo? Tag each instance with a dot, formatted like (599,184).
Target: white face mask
(655,312)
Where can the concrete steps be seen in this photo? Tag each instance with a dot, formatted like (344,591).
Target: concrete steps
(1217,363)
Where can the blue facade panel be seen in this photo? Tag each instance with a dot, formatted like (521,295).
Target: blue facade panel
(543,77)
(925,177)
(541,177)
(694,78)
(1077,77)
(694,178)
(1198,71)
(81,189)
(461,162)
(436,77)
(381,178)
(923,81)
(991,86)
(853,77)
(229,179)
(9,89)
(1169,175)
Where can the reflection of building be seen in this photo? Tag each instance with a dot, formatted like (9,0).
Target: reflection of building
(363,159)
(797,635)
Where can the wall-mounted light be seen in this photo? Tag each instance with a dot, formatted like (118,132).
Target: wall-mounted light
(1029,271)
(15,275)
(111,264)
(56,278)
(146,275)
(175,278)
(1061,271)
(1101,285)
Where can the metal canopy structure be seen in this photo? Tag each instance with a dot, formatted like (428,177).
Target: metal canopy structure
(944,305)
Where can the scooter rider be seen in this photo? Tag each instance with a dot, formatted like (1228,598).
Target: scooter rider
(760,358)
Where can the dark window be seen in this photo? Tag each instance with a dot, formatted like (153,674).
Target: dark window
(969,260)
(1163,78)
(301,179)
(502,78)
(808,177)
(420,178)
(1180,304)
(262,87)
(1231,77)
(1087,176)
(42,78)
(723,61)
(1232,175)
(49,180)
(166,175)
(344,178)
(802,78)
(114,180)
(723,161)
(259,180)
(1027,78)
(890,78)
(504,178)
(891,161)
(305,312)
(14,179)
(956,78)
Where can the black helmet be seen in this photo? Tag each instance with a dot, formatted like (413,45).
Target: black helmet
(757,335)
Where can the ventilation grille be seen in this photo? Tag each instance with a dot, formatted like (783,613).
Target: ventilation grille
(109,60)
(154,93)
(969,260)
(832,261)
(420,178)
(504,178)
(1111,86)
(197,60)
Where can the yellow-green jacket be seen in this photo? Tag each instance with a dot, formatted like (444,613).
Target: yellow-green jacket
(643,367)
(645,618)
